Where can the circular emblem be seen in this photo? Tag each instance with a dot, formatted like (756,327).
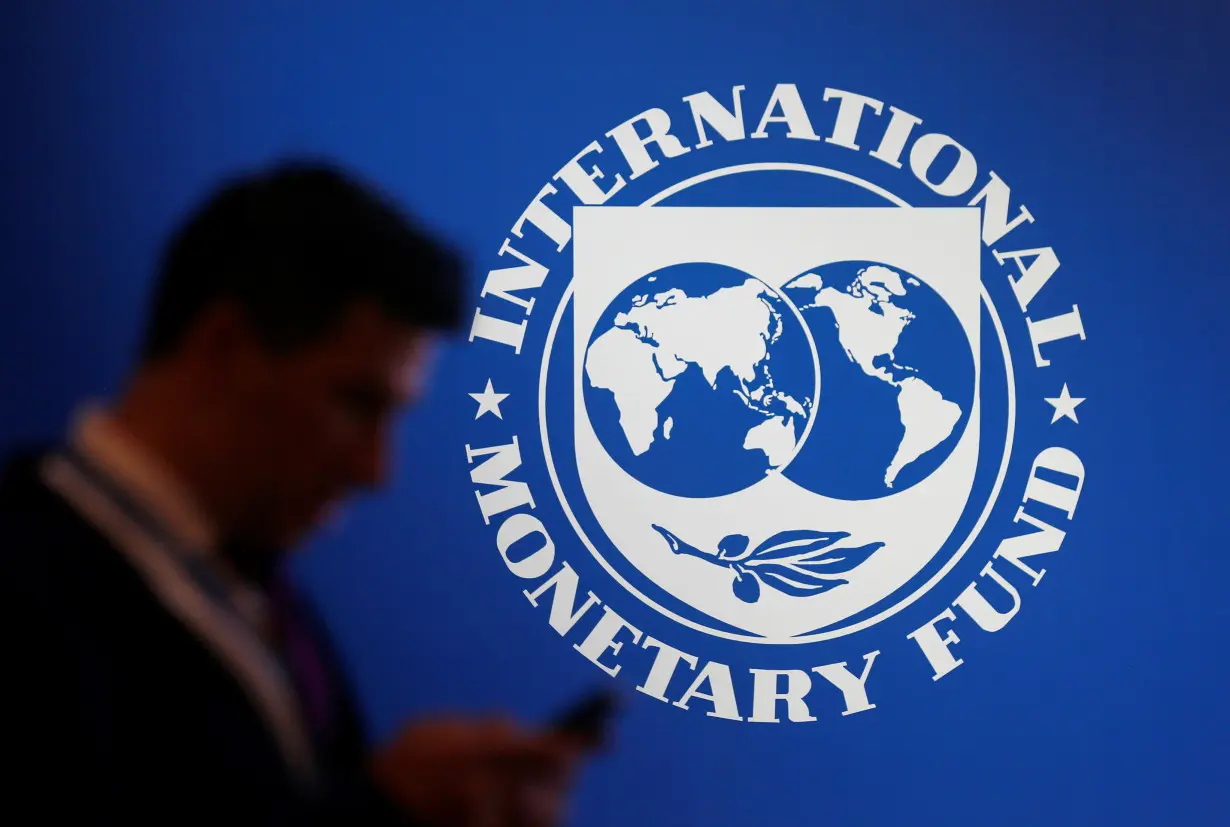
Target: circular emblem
(769,387)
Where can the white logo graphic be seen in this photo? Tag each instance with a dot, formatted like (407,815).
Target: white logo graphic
(777,402)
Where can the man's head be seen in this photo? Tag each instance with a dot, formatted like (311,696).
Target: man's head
(294,314)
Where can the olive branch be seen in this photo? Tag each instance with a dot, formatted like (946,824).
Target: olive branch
(798,563)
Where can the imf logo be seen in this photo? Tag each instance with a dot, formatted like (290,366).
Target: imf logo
(778,401)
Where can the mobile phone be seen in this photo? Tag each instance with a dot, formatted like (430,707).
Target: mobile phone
(589,719)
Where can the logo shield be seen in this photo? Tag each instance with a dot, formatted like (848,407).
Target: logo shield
(753,431)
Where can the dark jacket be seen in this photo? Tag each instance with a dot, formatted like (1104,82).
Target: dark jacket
(113,708)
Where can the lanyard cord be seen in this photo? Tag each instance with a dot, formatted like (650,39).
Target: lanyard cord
(193,561)
(254,662)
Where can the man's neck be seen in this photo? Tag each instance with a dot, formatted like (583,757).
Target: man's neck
(166,424)
(168,420)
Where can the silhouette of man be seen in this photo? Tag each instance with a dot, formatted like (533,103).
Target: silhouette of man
(157,665)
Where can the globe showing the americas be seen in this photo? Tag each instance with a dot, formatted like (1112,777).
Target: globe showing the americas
(700,379)
(898,377)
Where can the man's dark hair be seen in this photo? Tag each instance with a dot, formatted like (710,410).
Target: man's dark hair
(295,246)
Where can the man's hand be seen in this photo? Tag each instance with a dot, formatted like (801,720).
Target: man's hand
(465,773)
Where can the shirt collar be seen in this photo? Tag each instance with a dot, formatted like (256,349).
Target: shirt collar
(147,479)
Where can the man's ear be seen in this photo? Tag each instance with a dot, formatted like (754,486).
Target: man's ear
(222,336)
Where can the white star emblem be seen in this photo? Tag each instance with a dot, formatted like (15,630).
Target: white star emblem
(1064,405)
(489,401)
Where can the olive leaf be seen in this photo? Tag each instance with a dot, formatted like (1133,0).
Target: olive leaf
(798,563)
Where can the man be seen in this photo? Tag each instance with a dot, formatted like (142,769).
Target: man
(157,665)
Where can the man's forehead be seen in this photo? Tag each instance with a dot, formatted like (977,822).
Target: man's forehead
(370,342)
(416,363)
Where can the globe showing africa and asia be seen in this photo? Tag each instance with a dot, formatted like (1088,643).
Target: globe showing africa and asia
(700,379)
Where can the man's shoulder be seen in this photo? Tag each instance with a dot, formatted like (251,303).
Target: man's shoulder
(50,555)
(20,478)
(73,592)
(29,509)
(34,521)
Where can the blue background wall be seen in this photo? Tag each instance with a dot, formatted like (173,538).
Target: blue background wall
(1103,703)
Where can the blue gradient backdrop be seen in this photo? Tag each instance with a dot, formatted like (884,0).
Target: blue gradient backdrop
(1102,703)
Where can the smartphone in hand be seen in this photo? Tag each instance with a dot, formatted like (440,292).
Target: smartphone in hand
(589,720)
